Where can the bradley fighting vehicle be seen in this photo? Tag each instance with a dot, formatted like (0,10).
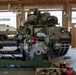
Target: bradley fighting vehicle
(39,35)
(42,27)
(33,42)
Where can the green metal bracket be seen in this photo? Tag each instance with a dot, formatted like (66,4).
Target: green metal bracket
(23,65)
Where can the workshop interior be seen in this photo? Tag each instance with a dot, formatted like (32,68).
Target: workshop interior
(37,36)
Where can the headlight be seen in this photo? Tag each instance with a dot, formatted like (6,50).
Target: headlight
(57,46)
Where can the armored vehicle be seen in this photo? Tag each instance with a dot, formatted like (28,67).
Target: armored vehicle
(33,42)
(42,26)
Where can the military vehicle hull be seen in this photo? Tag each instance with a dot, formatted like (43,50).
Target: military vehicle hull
(42,26)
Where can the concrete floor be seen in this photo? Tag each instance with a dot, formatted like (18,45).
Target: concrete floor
(70,58)
(19,72)
(55,60)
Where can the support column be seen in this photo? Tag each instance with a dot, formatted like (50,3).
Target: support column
(18,20)
(67,16)
(68,12)
(21,17)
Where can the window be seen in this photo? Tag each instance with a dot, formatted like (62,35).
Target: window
(26,15)
(58,14)
(73,19)
(8,18)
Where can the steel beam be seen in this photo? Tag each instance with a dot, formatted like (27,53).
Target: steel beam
(37,2)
